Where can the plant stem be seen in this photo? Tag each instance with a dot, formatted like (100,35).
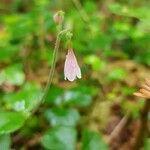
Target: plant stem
(51,73)
(63,32)
(55,53)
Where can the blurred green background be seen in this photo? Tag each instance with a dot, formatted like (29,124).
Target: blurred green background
(111,40)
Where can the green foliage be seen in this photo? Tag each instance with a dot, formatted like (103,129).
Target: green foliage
(62,116)
(95,62)
(52,94)
(141,13)
(147,144)
(128,90)
(24,100)
(133,108)
(13,75)
(92,141)
(117,74)
(7,51)
(75,98)
(62,138)
(10,121)
(5,142)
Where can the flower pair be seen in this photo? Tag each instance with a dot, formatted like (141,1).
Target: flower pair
(71,68)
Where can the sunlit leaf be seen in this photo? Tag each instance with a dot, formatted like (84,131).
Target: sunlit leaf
(10,121)
(95,62)
(117,74)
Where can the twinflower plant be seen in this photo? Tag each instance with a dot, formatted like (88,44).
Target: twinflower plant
(71,67)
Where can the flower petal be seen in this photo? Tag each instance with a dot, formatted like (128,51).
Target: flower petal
(71,68)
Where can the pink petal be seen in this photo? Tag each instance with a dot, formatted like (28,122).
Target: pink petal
(71,68)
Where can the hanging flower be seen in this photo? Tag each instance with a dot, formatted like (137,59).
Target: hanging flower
(71,68)
(144,90)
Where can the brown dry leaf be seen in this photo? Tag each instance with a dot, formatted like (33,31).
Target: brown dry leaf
(144,92)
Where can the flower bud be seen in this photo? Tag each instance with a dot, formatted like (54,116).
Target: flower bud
(58,17)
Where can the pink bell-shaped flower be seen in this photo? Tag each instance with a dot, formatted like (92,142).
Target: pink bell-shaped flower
(71,68)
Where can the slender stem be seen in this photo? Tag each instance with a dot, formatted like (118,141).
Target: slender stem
(83,14)
(51,73)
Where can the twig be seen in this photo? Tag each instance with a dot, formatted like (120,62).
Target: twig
(118,128)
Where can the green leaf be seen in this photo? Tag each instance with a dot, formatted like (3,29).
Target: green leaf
(52,94)
(13,75)
(92,141)
(90,7)
(87,89)
(78,96)
(10,121)
(26,99)
(134,109)
(74,97)
(117,74)
(147,144)
(60,138)
(5,142)
(95,62)
(141,13)
(20,25)
(7,51)
(128,90)
(62,116)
